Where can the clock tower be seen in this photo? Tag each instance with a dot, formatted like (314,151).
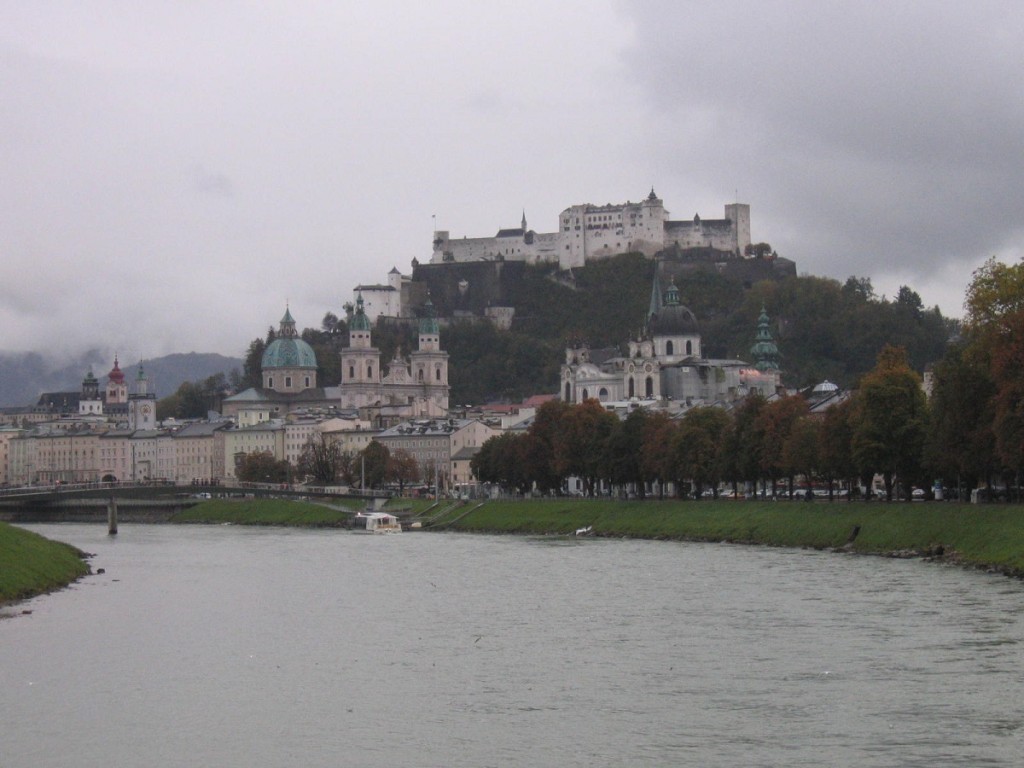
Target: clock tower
(142,404)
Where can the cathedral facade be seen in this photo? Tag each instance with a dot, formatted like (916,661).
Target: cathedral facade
(666,364)
(417,386)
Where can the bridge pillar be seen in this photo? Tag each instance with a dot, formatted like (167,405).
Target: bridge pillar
(112,516)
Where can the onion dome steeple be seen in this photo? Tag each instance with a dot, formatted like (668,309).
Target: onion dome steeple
(672,295)
(428,323)
(287,328)
(765,352)
(668,315)
(116,374)
(360,322)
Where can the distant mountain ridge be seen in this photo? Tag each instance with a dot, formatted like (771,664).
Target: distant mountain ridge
(24,376)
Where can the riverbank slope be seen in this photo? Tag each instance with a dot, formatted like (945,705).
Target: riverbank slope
(987,536)
(31,564)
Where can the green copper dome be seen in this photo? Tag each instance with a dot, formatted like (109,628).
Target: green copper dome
(288,350)
(289,353)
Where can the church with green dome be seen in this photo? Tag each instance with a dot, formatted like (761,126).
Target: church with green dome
(382,393)
(289,381)
(289,363)
(665,365)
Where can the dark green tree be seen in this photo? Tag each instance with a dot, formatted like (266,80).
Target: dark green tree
(624,452)
(402,468)
(698,444)
(581,443)
(262,467)
(321,459)
(960,443)
(888,438)
(373,464)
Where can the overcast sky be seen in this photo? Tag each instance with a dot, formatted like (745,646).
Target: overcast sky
(171,174)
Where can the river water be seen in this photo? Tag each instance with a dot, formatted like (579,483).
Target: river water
(226,646)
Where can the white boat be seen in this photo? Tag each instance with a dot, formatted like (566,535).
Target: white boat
(377,522)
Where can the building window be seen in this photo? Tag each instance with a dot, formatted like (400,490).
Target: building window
(649,387)
(351,371)
(689,347)
(668,348)
(270,382)
(288,382)
(307,382)
(369,371)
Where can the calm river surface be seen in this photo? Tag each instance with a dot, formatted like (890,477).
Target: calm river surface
(227,646)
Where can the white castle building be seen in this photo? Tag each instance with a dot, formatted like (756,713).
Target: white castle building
(598,231)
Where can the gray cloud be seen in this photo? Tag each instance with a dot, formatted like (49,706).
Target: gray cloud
(172,177)
(881,140)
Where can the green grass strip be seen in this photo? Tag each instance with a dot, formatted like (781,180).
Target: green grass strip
(31,564)
(981,535)
(265,512)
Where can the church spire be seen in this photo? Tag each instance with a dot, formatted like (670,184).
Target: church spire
(765,352)
(656,295)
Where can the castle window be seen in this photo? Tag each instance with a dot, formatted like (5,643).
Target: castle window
(270,383)
(602,395)
(668,347)
(351,371)
(632,388)
(307,382)
(288,382)
(567,392)
(689,347)
(649,387)
(369,371)
(437,374)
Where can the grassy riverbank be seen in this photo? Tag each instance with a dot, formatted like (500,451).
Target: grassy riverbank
(978,535)
(301,514)
(31,564)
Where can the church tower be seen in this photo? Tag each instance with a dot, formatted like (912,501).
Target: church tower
(360,363)
(429,362)
(142,404)
(90,402)
(765,352)
(117,387)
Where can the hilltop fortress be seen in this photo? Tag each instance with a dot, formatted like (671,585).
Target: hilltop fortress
(587,232)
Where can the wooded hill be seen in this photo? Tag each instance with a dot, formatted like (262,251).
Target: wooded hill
(825,329)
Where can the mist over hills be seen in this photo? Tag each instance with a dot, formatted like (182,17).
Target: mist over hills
(24,376)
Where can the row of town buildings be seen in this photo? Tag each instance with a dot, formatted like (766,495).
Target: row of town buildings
(207,453)
(114,436)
